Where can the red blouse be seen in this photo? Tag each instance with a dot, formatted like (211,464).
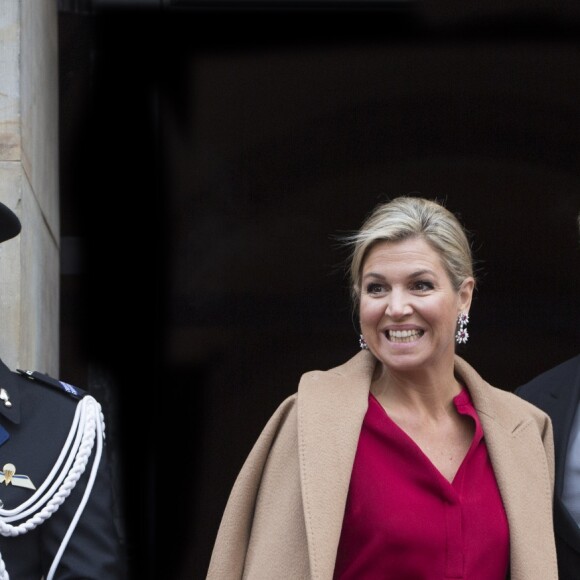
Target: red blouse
(405,521)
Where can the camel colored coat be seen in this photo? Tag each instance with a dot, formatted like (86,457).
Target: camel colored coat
(284,516)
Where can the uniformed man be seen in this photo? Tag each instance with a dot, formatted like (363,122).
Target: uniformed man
(56,513)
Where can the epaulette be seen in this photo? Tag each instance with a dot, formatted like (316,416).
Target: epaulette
(71,390)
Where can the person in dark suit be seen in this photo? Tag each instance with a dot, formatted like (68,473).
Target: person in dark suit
(56,503)
(557,392)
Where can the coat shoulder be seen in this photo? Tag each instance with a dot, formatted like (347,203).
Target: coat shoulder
(517,403)
(516,411)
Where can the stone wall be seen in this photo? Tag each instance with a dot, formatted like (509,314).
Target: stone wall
(29,264)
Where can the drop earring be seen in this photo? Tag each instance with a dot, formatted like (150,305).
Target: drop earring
(462,334)
(362,342)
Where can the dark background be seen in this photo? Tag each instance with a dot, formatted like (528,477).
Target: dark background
(209,159)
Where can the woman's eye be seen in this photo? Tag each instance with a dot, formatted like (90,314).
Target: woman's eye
(423,286)
(374,288)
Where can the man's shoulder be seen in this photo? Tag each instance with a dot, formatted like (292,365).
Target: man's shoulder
(17,382)
(565,372)
(51,384)
(23,391)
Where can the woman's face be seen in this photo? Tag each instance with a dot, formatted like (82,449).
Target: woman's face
(408,307)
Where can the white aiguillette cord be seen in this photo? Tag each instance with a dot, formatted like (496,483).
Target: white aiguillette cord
(88,421)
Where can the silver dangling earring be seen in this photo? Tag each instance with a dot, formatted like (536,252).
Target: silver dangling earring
(462,334)
(363,342)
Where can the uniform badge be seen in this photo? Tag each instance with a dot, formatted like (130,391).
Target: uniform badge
(8,475)
(4,396)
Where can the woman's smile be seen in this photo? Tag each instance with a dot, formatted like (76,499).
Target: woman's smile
(404,336)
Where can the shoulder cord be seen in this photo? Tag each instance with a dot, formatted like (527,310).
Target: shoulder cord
(88,421)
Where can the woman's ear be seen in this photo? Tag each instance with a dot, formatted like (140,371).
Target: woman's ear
(466,293)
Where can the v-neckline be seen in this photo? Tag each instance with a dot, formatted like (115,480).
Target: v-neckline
(456,483)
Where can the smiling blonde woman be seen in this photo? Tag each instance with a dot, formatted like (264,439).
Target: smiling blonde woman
(402,463)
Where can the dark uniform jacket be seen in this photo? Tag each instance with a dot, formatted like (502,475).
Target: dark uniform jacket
(557,392)
(35,420)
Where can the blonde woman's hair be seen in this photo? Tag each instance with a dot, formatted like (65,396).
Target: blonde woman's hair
(408,217)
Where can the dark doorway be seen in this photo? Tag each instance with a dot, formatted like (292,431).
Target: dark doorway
(209,159)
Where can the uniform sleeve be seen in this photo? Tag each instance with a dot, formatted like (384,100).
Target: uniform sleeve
(93,551)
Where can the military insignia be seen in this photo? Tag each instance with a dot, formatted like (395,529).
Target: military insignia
(9,475)
(4,396)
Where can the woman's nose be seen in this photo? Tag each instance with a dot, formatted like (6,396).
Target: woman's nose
(398,305)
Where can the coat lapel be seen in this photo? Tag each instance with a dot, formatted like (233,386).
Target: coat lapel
(516,451)
(331,409)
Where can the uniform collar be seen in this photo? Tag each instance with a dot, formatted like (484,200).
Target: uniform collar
(9,381)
